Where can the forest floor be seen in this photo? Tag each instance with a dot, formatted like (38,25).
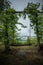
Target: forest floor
(21,55)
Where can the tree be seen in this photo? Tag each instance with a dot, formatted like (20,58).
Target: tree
(4,4)
(40,20)
(32,11)
(9,20)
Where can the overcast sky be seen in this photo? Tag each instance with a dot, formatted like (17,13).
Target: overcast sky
(19,5)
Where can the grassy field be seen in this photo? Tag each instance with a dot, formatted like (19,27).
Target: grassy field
(21,55)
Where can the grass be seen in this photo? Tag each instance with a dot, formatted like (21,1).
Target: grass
(21,55)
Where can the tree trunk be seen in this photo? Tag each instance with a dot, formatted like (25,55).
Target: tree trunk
(6,39)
(13,34)
(37,31)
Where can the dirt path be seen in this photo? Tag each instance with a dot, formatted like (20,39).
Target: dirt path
(23,55)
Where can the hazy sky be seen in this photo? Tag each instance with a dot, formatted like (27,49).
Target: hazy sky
(20,5)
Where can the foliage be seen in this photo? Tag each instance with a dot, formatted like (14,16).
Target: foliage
(32,40)
(33,13)
(4,4)
(8,21)
(40,20)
